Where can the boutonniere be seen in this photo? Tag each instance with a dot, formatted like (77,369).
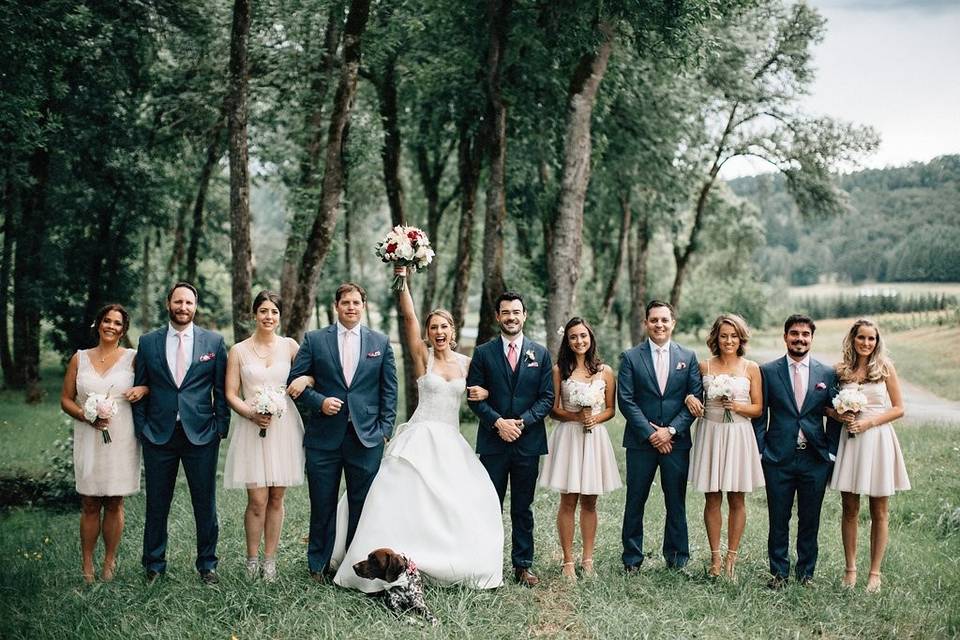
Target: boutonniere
(820,386)
(681,366)
(207,357)
(373,354)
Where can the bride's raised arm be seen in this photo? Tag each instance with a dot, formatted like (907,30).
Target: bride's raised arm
(410,326)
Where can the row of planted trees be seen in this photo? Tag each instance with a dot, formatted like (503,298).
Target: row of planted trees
(548,143)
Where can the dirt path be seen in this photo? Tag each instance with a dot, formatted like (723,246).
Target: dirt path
(922,405)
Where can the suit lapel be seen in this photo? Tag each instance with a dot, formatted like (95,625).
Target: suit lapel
(161,355)
(672,366)
(333,346)
(198,340)
(361,353)
(646,357)
(784,370)
(812,382)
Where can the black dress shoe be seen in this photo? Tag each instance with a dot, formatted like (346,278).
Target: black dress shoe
(152,576)
(806,581)
(631,569)
(776,583)
(209,577)
(525,577)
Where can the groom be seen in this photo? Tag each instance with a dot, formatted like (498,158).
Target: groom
(348,416)
(655,378)
(796,447)
(182,420)
(511,436)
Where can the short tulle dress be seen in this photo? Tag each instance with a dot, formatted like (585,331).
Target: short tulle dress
(106,468)
(872,462)
(580,462)
(725,456)
(277,459)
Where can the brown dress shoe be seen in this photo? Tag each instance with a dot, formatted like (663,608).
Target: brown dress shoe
(525,577)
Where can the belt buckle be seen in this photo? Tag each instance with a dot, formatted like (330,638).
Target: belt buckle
(801,446)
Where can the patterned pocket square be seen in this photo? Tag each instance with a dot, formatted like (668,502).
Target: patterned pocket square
(374,354)
(820,386)
(207,357)
(533,364)
(681,366)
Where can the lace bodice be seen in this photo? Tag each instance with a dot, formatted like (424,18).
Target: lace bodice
(570,386)
(440,398)
(714,408)
(878,400)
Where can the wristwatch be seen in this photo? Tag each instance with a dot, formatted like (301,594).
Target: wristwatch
(671,431)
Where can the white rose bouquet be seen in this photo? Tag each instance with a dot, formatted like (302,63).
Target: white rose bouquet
(588,397)
(850,400)
(405,247)
(270,401)
(721,388)
(100,406)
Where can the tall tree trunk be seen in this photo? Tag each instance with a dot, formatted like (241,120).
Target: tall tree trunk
(178,252)
(241,252)
(212,159)
(386,85)
(321,233)
(610,291)
(322,77)
(469,163)
(639,249)
(146,299)
(498,14)
(563,260)
(11,208)
(28,270)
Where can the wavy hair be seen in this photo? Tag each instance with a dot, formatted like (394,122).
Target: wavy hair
(446,315)
(739,325)
(878,364)
(567,359)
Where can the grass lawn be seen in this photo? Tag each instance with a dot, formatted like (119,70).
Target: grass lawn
(42,596)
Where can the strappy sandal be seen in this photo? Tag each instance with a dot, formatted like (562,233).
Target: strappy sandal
(713,571)
(567,571)
(729,565)
(849,578)
(586,565)
(873,586)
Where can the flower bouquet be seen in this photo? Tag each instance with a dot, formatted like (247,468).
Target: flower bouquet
(270,401)
(850,400)
(405,247)
(588,397)
(721,388)
(100,406)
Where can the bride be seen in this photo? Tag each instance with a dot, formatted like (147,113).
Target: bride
(432,500)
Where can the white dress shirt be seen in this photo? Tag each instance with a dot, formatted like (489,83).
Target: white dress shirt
(654,349)
(517,340)
(354,346)
(172,344)
(803,367)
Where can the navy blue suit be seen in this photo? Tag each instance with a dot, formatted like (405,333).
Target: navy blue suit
(350,442)
(527,394)
(641,402)
(791,472)
(194,440)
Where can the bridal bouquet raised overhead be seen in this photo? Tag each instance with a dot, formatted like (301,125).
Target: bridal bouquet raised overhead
(270,401)
(405,247)
(850,400)
(588,397)
(100,406)
(721,388)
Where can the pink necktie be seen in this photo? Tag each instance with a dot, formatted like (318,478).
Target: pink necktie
(661,368)
(799,393)
(181,358)
(512,356)
(347,358)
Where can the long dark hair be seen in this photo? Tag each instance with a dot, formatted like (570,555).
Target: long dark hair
(567,359)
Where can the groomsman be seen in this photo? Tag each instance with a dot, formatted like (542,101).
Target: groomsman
(655,378)
(181,421)
(348,416)
(511,435)
(797,446)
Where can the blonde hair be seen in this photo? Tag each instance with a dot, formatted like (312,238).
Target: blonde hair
(878,364)
(739,325)
(446,315)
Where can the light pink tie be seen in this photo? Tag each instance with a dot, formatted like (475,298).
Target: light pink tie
(348,358)
(799,393)
(512,356)
(181,358)
(661,368)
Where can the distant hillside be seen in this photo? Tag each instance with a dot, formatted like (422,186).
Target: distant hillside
(904,225)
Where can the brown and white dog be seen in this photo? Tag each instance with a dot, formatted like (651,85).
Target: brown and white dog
(405,591)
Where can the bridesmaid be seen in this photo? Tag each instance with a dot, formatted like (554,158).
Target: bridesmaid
(105,471)
(869,460)
(581,464)
(725,457)
(264,466)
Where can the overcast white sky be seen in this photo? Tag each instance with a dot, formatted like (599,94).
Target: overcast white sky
(891,64)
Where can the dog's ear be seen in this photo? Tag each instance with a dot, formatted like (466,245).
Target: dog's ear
(396,565)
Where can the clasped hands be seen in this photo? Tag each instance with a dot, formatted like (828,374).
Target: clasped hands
(508,428)
(661,439)
(854,423)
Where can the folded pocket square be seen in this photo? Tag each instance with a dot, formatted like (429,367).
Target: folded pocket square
(207,357)
(533,364)
(681,366)
(374,354)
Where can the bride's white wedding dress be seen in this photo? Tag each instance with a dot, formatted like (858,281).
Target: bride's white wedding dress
(431,500)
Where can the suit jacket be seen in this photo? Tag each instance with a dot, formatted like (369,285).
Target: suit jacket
(371,400)
(526,393)
(640,400)
(777,427)
(200,399)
